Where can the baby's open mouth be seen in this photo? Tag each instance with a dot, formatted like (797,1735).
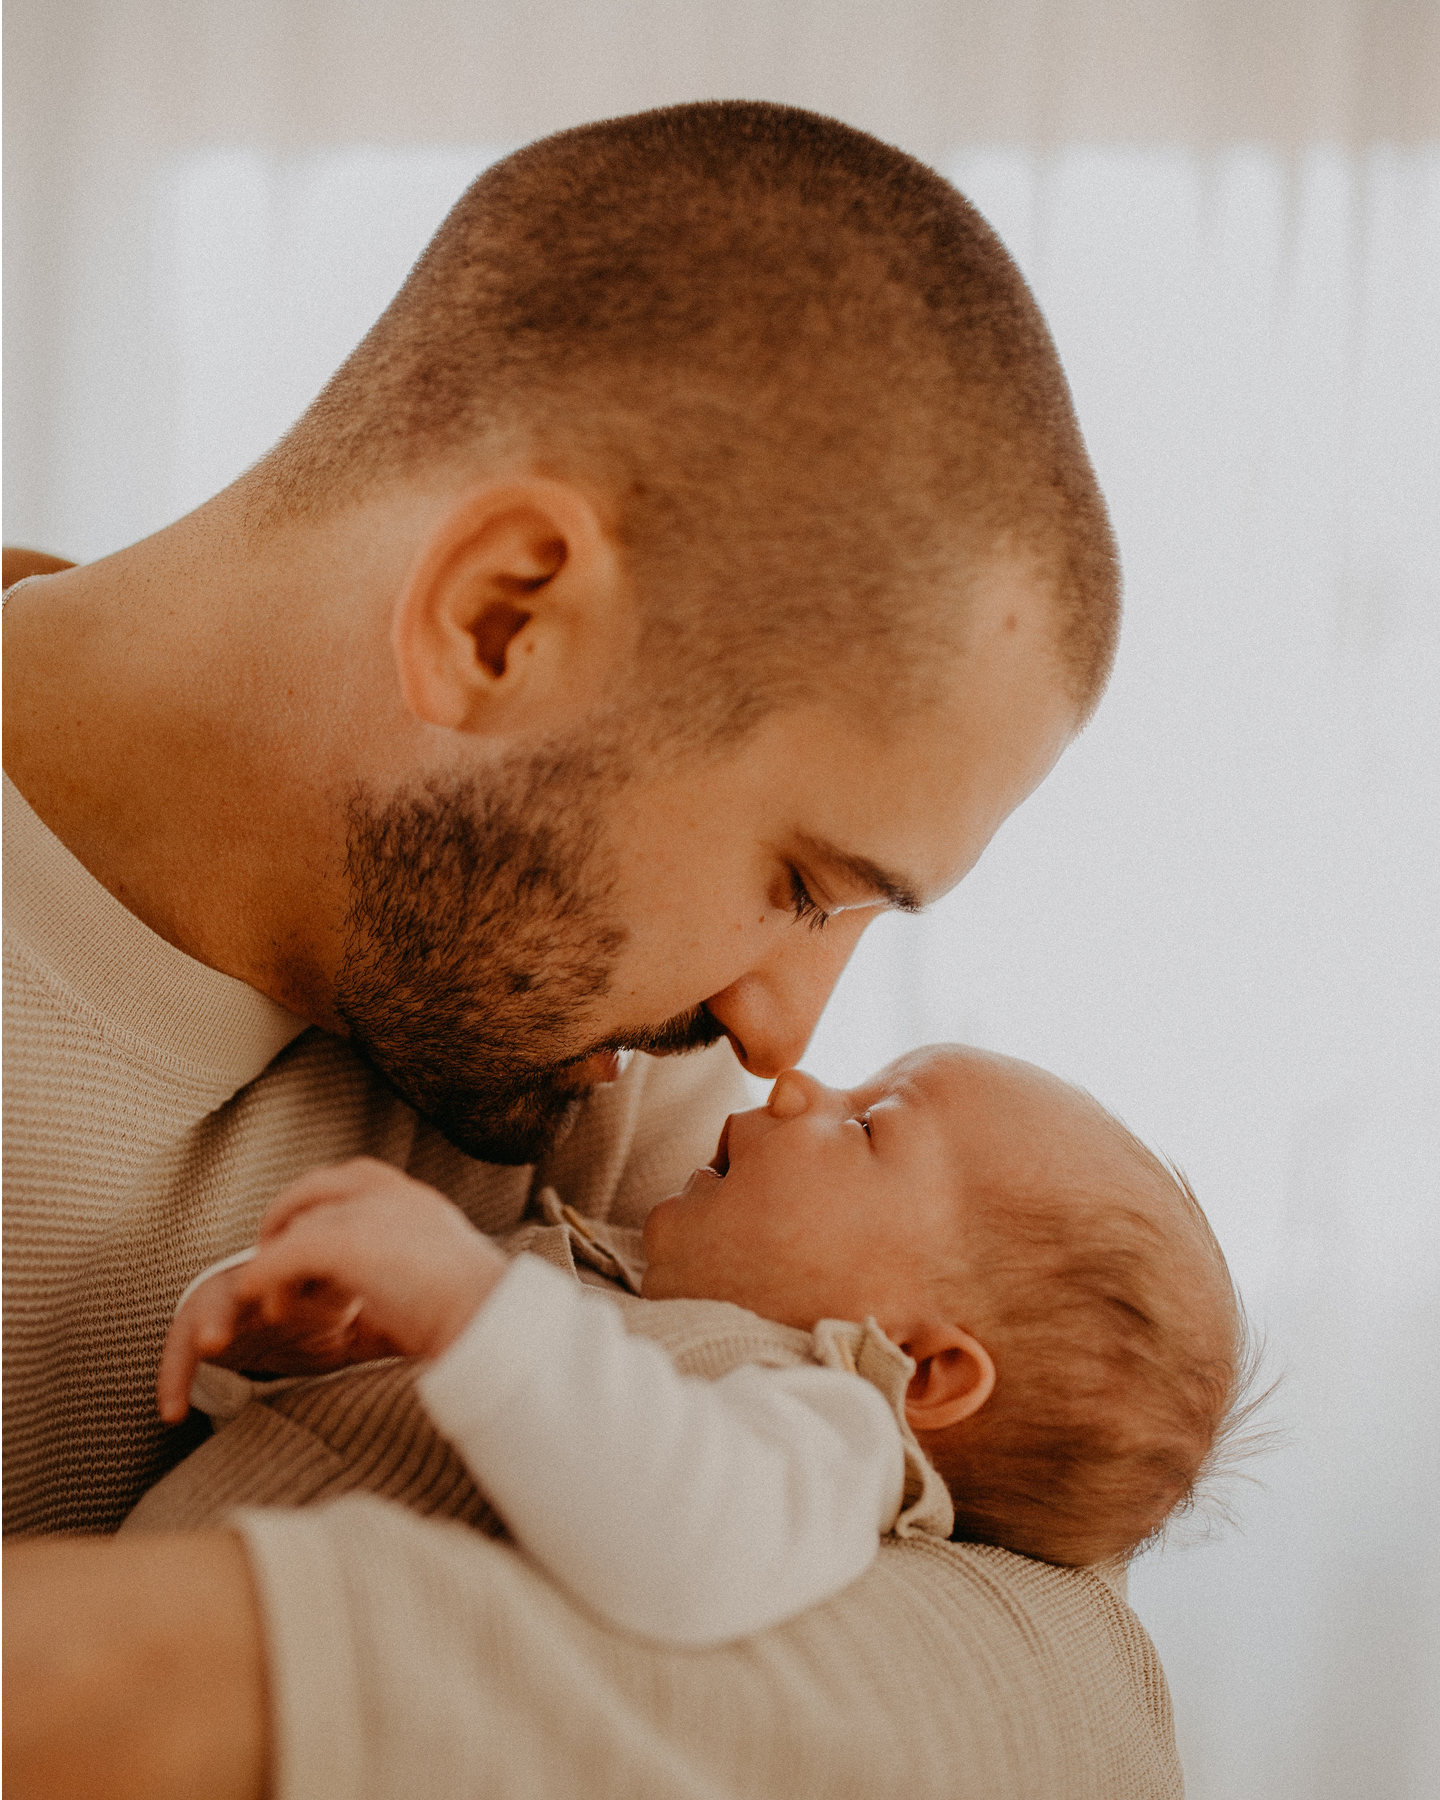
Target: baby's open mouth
(720,1161)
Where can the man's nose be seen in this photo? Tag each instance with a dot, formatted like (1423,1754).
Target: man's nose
(771,1010)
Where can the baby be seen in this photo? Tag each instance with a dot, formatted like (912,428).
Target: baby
(1074,1344)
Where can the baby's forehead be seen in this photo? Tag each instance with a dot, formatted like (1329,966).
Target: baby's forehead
(953,1077)
(942,1096)
(1003,1118)
(936,1067)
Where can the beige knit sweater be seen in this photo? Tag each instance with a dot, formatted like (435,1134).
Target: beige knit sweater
(153,1107)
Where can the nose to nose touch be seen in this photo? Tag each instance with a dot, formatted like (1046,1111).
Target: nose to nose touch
(795,1092)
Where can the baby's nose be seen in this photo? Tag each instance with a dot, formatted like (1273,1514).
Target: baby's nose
(796,1092)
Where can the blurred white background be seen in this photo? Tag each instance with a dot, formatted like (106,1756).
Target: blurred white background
(1220,914)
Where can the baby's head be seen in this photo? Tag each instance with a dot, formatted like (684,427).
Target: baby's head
(1077,1337)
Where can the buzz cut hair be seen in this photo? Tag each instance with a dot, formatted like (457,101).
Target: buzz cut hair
(804,377)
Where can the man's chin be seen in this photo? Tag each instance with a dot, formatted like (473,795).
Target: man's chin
(507,1128)
(496,1121)
(531,1124)
(512,1140)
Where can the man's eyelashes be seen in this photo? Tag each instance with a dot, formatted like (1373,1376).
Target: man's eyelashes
(803,905)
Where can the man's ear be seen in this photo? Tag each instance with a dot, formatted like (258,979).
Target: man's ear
(954,1377)
(512,613)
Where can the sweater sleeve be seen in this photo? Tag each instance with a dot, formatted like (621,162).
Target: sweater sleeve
(688,1511)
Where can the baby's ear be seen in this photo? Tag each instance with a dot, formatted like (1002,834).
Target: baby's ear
(954,1377)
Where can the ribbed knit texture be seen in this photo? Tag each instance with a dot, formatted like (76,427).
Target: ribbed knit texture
(153,1108)
(417,1659)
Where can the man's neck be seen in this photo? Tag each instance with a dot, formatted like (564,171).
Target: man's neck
(185,715)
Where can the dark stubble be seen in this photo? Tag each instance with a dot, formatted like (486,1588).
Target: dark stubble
(481,933)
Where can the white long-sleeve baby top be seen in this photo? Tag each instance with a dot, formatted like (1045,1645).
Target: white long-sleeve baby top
(689,1511)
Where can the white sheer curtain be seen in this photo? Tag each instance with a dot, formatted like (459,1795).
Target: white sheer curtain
(1220,912)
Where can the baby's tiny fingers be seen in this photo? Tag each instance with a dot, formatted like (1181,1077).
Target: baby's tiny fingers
(329,1186)
(178,1362)
(172,1383)
(320,1187)
(202,1327)
(214,1309)
(288,1275)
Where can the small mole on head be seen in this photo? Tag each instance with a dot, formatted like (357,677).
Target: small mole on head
(1011,622)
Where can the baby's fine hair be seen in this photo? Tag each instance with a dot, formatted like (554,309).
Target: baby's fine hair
(1124,1359)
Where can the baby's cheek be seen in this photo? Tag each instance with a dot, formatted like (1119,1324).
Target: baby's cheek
(653,1232)
(664,1281)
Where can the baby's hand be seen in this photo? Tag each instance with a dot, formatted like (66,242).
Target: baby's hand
(320,1332)
(353,1262)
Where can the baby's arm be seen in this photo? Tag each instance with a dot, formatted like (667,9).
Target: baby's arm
(689,1511)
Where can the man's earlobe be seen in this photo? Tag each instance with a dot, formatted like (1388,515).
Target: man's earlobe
(497,625)
(954,1377)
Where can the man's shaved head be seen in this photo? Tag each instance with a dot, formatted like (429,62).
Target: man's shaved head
(803,378)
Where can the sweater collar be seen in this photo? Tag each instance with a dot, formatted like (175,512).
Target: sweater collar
(180,1009)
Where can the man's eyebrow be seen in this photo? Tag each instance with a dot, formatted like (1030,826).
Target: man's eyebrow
(894,889)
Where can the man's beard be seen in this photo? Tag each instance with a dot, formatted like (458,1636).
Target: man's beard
(480,930)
